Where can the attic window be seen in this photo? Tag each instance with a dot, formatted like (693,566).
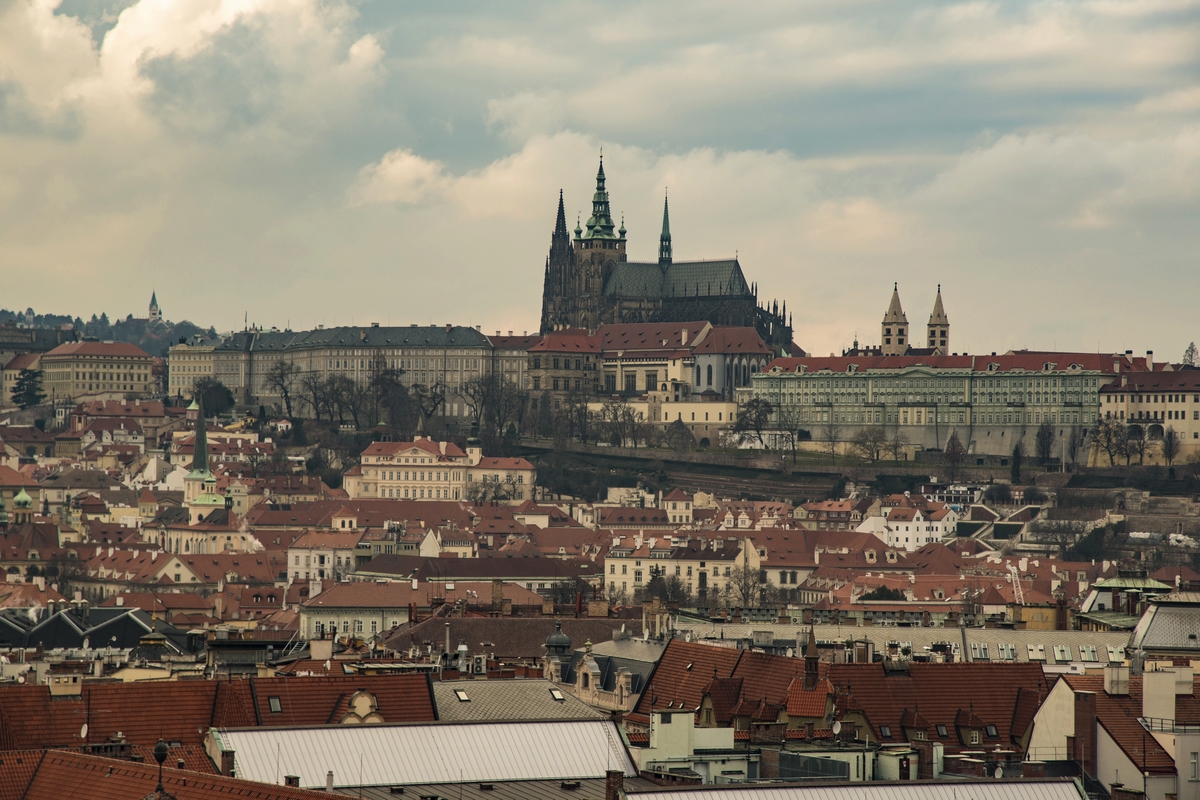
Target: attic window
(462,696)
(885,731)
(276,707)
(991,732)
(941,732)
(557,695)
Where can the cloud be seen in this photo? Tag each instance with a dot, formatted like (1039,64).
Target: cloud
(338,161)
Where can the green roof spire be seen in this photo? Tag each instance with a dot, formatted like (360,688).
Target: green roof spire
(664,241)
(200,468)
(600,225)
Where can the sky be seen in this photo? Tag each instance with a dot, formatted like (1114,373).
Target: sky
(336,162)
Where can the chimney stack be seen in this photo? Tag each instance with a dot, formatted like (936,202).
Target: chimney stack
(614,781)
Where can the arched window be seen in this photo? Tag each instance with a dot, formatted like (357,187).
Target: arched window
(697,374)
(710,374)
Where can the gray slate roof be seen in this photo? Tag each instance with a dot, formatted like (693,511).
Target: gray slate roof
(680,279)
(1171,625)
(507,701)
(356,336)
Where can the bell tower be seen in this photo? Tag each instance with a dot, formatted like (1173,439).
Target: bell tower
(895,327)
(939,327)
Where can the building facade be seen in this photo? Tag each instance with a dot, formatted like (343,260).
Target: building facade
(96,371)
(991,402)
(589,281)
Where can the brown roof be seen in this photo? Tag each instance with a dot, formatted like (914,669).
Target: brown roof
(109,349)
(683,673)
(1019,360)
(650,335)
(570,340)
(56,774)
(507,638)
(400,594)
(941,692)
(182,710)
(724,339)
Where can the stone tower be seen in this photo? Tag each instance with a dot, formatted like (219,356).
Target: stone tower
(598,250)
(155,311)
(939,327)
(560,274)
(895,327)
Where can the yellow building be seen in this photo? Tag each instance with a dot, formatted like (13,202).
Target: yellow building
(1150,405)
(96,371)
(187,364)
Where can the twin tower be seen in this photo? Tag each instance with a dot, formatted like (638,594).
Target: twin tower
(895,339)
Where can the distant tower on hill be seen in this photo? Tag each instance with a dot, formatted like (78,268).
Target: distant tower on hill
(939,327)
(895,327)
(155,311)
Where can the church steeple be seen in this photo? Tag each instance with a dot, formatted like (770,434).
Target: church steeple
(895,327)
(664,239)
(559,271)
(560,224)
(600,225)
(939,326)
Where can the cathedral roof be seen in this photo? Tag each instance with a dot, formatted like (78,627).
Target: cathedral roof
(678,279)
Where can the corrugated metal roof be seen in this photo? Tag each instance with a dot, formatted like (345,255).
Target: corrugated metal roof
(938,790)
(402,755)
(508,701)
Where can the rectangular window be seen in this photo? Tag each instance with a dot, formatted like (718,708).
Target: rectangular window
(276,707)
(631,382)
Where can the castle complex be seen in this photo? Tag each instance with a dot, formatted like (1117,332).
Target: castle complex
(590,282)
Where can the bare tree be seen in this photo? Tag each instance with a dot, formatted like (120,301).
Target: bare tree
(1062,534)
(1137,442)
(1044,443)
(955,455)
(1110,437)
(753,417)
(792,426)
(869,442)
(1075,442)
(281,378)
(428,399)
(475,393)
(1170,445)
(897,444)
(745,586)
(678,437)
(831,434)
(315,395)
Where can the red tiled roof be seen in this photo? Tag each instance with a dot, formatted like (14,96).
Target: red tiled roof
(58,774)
(942,692)
(22,361)
(725,339)
(650,335)
(1018,360)
(803,702)
(570,340)
(683,673)
(503,463)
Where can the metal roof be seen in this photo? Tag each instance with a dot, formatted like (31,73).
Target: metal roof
(1064,789)
(508,701)
(403,755)
(515,790)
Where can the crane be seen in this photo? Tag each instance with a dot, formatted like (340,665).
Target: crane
(1018,594)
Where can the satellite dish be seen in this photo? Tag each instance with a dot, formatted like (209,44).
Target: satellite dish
(999,773)
(20,679)
(837,728)
(83,731)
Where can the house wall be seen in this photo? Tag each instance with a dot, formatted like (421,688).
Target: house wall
(1055,721)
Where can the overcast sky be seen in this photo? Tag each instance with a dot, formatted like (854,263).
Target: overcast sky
(322,161)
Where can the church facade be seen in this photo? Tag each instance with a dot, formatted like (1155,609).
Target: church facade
(589,282)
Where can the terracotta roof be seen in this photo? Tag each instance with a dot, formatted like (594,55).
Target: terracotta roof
(1018,360)
(724,339)
(427,446)
(650,335)
(631,517)
(803,702)
(942,692)
(10,477)
(683,673)
(523,342)
(503,463)
(57,774)
(724,694)
(22,361)
(571,340)
(400,594)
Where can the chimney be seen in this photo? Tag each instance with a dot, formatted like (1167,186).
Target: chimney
(497,594)
(329,781)
(1085,732)
(1158,695)
(614,781)
(442,447)
(683,337)
(227,762)
(1116,680)
(314,588)
(291,780)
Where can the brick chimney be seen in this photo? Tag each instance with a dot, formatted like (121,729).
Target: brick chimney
(1085,731)
(497,594)
(227,762)
(614,781)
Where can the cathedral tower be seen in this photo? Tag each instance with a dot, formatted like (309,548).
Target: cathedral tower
(664,239)
(597,252)
(939,327)
(895,327)
(560,273)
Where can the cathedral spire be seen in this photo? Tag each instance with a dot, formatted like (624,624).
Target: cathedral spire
(600,225)
(664,240)
(560,224)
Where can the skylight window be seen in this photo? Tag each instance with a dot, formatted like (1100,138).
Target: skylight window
(462,696)
(276,707)
(557,695)
(885,731)
(991,732)
(942,732)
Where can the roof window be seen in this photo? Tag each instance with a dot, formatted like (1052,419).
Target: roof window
(276,707)
(557,695)
(462,696)
(942,732)
(991,732)
(885,731)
